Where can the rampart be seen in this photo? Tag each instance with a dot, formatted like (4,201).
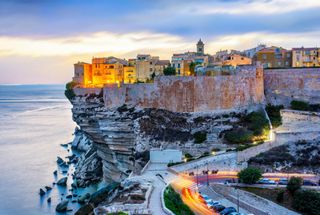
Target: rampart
(193,94)
(284,85)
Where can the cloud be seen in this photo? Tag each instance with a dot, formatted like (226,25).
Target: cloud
(258,7)
(95,43)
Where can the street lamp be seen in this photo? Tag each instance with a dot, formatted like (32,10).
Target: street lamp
(207,174)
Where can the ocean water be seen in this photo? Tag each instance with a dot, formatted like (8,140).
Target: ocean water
(34,121)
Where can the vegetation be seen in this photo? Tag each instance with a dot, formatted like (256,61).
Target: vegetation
(307,202)
(253,127)
(69,93)
(294,184)
(304,106)
(169,71)
(192,66)
(280,196)
(249,175)
(274,114)
(200,136)
(174,202)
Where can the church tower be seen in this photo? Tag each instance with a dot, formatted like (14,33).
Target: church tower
(200,48)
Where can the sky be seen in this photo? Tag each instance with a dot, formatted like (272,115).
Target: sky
(40,40)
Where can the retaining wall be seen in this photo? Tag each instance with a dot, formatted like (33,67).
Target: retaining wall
(284,85)
(192,94)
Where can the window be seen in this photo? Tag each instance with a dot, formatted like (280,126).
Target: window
(264,56)
(178,65)
(288,55)
(279,63)
(287,63)
(150,69)
(150,62)
(111,67)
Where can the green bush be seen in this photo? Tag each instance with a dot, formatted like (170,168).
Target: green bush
(200,136)
(280,196)
(300,105)
(294,184)
(257,122)
(69,90)
(307,202)
(169,71)
(240,135)
(249,175)
(174,202)
(274,114)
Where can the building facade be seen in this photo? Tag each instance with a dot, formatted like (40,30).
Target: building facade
(274,57)
(305,57)
(82,74)
(236,60)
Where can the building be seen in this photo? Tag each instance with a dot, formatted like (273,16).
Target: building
(200,47)
(107,71)
(129,74)
(274,57)
(252,52)
(305,57)
(182,62)
(236,60)
(82,74)
(148,66)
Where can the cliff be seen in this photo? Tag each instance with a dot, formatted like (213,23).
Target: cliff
(123,136)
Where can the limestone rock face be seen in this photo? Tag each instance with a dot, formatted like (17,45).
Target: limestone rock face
(121,137)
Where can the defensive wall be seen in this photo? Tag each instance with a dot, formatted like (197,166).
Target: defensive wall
(284,85)
(192,94)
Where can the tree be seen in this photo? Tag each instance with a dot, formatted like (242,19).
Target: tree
(307,202)
(294,184)
(249,175)
(169,71)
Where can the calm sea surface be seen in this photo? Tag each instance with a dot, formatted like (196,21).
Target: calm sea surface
(34,121)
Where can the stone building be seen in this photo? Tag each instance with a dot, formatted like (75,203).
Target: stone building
(274,57)
(82,74)
(147,65)
(305,57)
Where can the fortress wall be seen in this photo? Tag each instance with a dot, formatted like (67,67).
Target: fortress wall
(192,94)
(284,85)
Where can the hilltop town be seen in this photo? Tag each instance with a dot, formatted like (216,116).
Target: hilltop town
(144,68)
(183,134)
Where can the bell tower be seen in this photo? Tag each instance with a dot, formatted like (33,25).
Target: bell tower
(200,47)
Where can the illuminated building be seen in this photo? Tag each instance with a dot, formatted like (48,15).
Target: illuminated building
(305,57)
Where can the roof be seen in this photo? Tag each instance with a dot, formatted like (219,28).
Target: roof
(306,49)
(163,62)
(200,42)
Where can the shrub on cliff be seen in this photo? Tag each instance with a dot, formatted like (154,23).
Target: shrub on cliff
(300,105)
(200,136)
(307,202)
(257,122)
(249,175)
(169,71)
(239,135)
(69,90)
(294,184)
(274,114)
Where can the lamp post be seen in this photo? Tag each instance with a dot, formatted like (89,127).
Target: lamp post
(207,175)
(197,178)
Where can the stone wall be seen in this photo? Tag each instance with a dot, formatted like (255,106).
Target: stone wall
(284,85)
(193,94)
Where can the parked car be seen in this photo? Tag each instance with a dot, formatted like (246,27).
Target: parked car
(266,181)
(228,210)
(218,208)
(283,181)
(213,203)
(309,183)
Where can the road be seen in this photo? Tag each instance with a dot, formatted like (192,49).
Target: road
(221,177)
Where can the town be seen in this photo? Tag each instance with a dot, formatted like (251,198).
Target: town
(144,68)
(236,132)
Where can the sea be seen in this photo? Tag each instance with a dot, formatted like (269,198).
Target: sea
(34,121)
